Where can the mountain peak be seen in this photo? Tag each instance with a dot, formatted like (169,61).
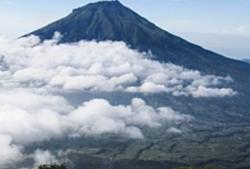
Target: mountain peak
(103,20)
(110,2)
(103,4)
(111,20)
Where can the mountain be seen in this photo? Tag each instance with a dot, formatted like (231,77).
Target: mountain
(217,136)
(110,20)
(246,60)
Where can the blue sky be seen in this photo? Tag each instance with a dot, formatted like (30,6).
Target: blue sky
(220,25)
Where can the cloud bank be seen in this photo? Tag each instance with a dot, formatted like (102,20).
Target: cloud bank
(9,153)
(32,73)
(44,157)
(27,117)
(104,66)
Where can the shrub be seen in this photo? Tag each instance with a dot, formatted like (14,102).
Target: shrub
(208,167)
(186,168)
(52,167)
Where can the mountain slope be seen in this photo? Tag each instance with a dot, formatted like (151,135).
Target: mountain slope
(219,133)
(110,20)
(246,60)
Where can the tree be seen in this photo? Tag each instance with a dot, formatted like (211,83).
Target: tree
(186,168)
(54,166)
(207,167)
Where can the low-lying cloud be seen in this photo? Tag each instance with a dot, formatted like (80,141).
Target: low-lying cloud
(103,66)
(42,157)
(32,72)
(9,153)
(27,117)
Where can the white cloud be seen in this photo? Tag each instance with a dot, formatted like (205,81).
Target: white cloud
(241,28)
(31,73)
(103,66)
(209,92)
(174,130)
(27,117)
(9,153)
(44,157)
(99,116)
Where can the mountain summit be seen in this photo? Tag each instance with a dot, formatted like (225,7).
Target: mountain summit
(110,20)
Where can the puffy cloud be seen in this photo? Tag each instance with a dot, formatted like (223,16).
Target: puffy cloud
(9,153)
(103,66)
(31,73)
(28,116)
(24,115)
(148,87)
(44,157)
(202,91)
(24,119)
(174,130)
(99,116)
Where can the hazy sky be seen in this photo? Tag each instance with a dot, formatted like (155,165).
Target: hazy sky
(220,25)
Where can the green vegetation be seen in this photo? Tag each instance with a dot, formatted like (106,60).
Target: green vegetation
(63,167)
(208,167)
(52,167)
(186,168)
